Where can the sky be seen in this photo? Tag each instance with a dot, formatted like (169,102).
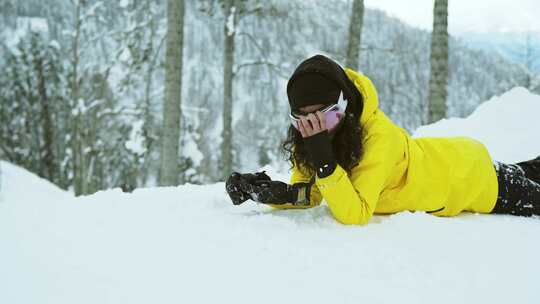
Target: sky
(467,15)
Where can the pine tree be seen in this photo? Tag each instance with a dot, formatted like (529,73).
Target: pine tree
(32,109)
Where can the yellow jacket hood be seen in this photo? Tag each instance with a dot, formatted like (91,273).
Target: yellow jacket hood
(368,92)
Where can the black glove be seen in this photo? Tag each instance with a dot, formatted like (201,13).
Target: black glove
(272,192)
(321,154)
(260,188)
(256,177)
(238,185)
(280,193)
(232,186)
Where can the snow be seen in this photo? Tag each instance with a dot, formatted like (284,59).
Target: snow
(230,22)
(37,25)
(80,108)
(190,149)
(135,142)
(125,56)
(17,181)
(55,45)
(11,37)
(508,125)
(123,3)
(189,244)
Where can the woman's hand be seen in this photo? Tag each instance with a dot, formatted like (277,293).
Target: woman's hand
(312,124)
(318,143)
(239,186)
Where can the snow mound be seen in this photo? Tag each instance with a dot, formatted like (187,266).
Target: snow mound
(19,185)
(508,125)
(188,244)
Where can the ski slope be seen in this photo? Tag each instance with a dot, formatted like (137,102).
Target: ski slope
(188,244)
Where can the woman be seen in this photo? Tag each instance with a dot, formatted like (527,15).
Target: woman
(346,150)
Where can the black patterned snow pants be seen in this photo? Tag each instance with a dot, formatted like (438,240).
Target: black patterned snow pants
(519,188)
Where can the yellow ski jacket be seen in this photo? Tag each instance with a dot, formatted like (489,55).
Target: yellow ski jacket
(442,176)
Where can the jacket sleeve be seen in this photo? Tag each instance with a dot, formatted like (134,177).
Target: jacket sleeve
(352,199)
(315,196)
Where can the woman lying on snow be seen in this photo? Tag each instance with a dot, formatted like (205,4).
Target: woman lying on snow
(366,164)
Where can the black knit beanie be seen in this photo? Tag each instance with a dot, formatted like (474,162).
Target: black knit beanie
(320,80)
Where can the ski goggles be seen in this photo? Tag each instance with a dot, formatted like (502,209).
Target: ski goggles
(332,113)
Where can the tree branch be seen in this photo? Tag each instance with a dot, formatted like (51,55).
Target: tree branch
(374,48)
(266,61)
(269,64)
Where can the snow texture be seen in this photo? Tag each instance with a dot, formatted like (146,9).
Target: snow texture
(189,244)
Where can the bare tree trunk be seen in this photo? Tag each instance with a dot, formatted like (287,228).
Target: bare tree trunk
(75,137)
(355,34)
(173,87)
(48,158)
(148,116)
(439,62)
(231,14)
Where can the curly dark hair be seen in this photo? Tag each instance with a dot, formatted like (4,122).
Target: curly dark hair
(347,142)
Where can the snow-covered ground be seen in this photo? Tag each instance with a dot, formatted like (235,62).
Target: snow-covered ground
(188,244)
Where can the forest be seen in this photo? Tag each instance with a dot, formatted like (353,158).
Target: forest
(84,83)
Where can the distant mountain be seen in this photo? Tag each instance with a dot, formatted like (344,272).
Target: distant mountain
(519,47)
